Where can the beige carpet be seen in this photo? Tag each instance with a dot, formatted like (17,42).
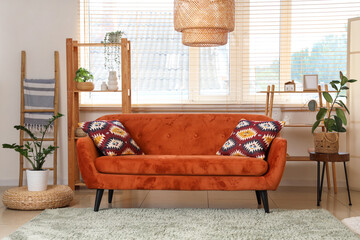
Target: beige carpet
(142,223)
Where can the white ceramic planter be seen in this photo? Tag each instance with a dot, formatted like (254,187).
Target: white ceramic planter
(37,180)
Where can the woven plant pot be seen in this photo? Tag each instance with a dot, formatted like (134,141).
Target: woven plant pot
(85,86)
(326,142)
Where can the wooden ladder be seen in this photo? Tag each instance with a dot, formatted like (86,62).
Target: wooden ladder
(23,111)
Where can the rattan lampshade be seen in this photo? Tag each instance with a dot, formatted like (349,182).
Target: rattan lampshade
(204,23)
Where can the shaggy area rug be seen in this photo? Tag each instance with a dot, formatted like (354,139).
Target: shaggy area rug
(142,223)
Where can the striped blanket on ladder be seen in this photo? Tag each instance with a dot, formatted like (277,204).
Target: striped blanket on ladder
(38,94)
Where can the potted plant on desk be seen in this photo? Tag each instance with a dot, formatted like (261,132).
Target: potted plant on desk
(81,78)
(328,141)
(36,154)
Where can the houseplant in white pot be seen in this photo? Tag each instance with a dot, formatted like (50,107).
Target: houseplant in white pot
(328,141)
(36,154)
(82,79)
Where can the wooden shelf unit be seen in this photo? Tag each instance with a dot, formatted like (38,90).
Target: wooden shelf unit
(270,93)
(73,97)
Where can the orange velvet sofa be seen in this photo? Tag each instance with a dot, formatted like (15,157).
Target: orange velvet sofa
(180,155)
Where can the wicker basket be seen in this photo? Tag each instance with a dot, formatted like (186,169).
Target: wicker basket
(85,86)
(326,142)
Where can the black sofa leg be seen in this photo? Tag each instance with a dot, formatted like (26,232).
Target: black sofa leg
(265,201)
(258,197)
(99,194)
(111,193)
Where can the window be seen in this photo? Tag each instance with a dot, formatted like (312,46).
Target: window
(274,42)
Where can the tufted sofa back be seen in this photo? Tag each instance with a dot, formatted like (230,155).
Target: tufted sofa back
(181,134)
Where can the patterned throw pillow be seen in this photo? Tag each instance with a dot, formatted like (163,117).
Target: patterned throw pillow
(251,138)
(111,138)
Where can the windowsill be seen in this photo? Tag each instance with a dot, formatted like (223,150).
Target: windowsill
(144,108)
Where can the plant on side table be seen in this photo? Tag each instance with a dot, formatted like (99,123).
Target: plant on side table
(328,141)
(36,154)
(82,78)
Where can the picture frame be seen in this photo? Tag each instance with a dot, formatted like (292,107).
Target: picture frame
(310,82)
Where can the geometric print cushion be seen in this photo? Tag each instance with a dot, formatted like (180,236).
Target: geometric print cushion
(251,138)
(111,138)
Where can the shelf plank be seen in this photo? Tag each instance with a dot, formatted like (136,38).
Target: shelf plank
(297,92)
(77,44)
(45,139)
(297,158)
(300,125)
(51,169)
(38,110)
(99,91)
(305,110)
(80,184)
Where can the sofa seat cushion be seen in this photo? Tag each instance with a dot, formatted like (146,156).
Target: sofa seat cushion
(202,165)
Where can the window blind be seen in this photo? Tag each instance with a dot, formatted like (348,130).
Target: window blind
(284,40)
(274,42)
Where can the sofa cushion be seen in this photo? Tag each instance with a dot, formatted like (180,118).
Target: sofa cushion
(111,138)
(207,165)
(251,138)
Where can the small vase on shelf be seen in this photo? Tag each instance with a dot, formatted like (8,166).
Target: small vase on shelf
(104,87)
(112,81)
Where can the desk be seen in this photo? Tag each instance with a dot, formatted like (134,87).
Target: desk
(329,157)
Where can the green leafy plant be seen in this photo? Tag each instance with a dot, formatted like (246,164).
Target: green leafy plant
(112,51)
(83,75)
(34,151)
(336,122)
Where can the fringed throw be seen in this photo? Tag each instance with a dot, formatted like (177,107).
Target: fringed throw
(38,94)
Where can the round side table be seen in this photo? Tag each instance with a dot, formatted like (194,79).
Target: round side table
(329,157)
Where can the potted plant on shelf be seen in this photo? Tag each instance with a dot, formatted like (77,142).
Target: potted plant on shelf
(328,141)
(36,154)
(112,53)
(82,76)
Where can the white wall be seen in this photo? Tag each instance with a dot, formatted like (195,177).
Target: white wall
(354,72)
(39,27)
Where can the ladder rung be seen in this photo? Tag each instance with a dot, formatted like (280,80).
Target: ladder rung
(45,139)
(39,110)
(51,169)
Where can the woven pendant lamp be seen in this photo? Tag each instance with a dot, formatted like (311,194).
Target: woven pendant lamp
(204,23)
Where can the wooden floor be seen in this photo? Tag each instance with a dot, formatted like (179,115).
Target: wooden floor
(284,197)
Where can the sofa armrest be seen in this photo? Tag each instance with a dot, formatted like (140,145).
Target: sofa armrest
(276,160)
(86,155)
